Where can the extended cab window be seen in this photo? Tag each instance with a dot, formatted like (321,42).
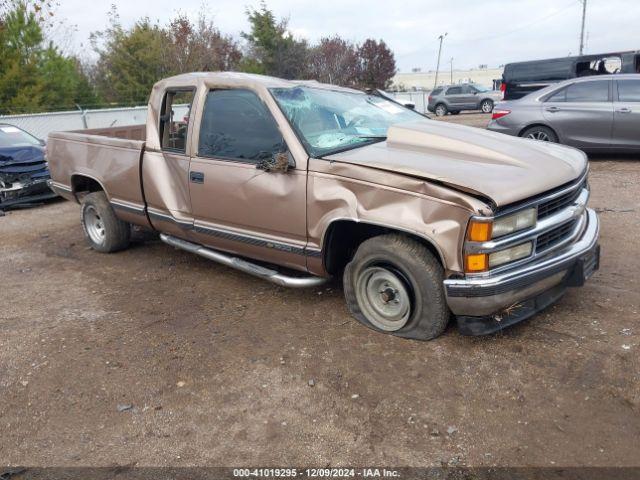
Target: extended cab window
(174,119)
(237,125)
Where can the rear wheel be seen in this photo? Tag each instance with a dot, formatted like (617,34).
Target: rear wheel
(486,106)
(394,285)
(544,134)
(102,229)
(441,110)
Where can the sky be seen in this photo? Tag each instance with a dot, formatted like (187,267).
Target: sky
(491,32)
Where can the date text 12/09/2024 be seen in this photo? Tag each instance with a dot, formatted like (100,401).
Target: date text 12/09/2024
(315,473)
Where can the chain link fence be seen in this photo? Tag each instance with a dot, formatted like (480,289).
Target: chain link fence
(41,124)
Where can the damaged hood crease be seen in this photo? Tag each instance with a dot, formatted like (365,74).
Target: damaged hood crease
(499,167)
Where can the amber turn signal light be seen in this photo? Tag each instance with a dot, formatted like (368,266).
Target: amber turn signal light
(477,262)
(479,231)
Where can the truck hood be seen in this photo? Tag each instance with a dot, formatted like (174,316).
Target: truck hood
(502,168)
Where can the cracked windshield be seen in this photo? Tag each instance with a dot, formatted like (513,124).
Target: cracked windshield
(331,121)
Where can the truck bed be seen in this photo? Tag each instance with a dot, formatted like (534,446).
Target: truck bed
(109,156)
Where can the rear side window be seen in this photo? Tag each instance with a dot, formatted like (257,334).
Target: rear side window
(437,91)
(238,126)
(174,119)
(629,90)
(597,91)
(588,92)
(454,91)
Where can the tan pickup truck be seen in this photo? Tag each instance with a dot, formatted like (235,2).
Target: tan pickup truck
(298,182)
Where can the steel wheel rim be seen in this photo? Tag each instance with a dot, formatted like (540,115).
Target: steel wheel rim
(440,111)
(385,298)
(539,135)
(486,107)
(94,225)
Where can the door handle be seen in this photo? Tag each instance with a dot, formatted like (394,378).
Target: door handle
(552,109)
(623,110)
(196,177)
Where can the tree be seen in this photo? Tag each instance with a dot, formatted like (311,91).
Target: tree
(377,65)
(33,75)
(335,61)
(129,62)
(201,46)
(272,50)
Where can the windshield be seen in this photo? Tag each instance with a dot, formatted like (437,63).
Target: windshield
(331,121)
(11,136)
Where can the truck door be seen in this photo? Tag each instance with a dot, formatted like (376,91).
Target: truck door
(165,172)
(582,113)
(237,207)
(626,114)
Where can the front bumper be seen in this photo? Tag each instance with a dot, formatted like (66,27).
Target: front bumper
(31,192)
(487,304)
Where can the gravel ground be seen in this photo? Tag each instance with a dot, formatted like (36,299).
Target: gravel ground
(153,356)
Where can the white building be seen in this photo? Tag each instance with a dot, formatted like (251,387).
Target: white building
(417,81)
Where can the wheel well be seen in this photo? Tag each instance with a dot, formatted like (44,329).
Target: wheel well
(343,238)
(81,185)
(524,129)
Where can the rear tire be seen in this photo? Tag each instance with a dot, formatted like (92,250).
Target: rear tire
(486,106)
(543,134)
(103,231)
(393,285)
(441,110)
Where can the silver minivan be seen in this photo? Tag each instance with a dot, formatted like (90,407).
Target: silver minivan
(591,113)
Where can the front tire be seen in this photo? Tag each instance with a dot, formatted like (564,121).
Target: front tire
(486,106)
(543,134)
(103,231)
(393,285)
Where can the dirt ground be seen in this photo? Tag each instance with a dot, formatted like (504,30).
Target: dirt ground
(153,356)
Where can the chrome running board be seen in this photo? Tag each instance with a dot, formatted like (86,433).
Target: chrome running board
(243,265)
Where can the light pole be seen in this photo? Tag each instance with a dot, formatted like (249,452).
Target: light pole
(584,14)
(441,37)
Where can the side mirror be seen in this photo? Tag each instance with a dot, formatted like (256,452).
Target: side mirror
(278,162)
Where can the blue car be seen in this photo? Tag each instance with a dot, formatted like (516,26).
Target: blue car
(23,168)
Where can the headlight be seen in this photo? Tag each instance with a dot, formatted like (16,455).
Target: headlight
(510,254)
(483,230)
(514,222)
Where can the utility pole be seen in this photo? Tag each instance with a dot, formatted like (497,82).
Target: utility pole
(584,14)
(441,37)
(451,61)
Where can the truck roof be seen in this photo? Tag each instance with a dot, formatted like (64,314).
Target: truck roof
(239,79)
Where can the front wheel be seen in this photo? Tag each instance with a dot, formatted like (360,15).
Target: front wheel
(393,284)
(103,231)
(486,106)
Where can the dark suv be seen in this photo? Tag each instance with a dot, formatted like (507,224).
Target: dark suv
(464,96)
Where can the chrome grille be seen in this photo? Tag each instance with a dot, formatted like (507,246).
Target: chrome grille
(553,237)
(551,206)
